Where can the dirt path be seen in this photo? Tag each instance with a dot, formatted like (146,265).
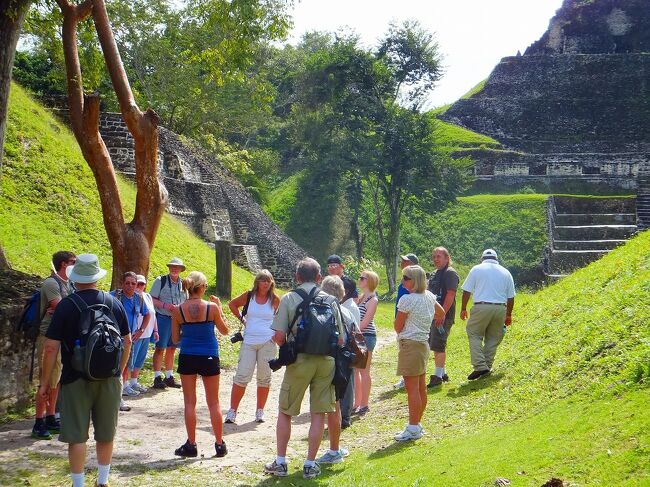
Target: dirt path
(148,434)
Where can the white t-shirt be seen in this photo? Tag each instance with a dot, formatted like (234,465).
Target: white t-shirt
(146,297)
(352,307)
(420,308)
(490,282)
(259,318)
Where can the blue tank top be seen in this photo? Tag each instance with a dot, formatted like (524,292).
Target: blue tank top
(198,338)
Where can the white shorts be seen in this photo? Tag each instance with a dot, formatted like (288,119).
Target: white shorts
(249,356)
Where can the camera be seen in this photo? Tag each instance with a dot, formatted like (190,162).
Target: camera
(236,337)
(286,356)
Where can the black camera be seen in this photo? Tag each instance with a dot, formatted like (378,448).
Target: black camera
(236,337)
(286,356)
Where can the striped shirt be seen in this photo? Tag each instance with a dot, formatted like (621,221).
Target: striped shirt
(370,329)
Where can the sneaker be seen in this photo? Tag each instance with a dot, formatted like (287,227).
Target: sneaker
(221,449)
(434,381)
(186,450)
(408,435)
(259,416)
(159,383)
(277,469)
(331,458)
(101,485)
(129,391)
(445,378)
(477,373)
(344,451)
(52,424)
(40,432)
(360,411)
(310,472)
(231,416)
(139,387)
(399,384)
(345,423)
(171,382)
(124,406)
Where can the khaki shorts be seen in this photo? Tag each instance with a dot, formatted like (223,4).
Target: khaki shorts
(82,400)
(55,377)
(412,358)
(249,357)
(315,372)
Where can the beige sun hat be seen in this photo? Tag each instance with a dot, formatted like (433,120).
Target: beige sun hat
(176,261)
(86,270)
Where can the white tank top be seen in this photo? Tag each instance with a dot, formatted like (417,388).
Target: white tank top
(258,322)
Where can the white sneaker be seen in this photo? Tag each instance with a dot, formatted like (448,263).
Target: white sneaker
(231,416)
(399,384)
(259,416)
(344,451)
(139,387)
(408,435)
(127,390)
(124,406)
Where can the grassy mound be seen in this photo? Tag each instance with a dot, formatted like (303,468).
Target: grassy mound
(49,201)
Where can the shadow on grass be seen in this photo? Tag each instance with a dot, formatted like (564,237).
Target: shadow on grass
(391,449)
(296,478)
(469,387)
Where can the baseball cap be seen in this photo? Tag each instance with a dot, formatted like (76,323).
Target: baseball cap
(489,254)
(334,259)
(412,258)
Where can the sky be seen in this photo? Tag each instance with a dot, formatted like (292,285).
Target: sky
(473,35)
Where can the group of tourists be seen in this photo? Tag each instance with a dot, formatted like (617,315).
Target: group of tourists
(323,332)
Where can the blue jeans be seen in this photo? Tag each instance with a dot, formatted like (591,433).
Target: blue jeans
(138,353)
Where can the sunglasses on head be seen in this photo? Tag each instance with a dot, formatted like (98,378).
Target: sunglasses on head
(406,278)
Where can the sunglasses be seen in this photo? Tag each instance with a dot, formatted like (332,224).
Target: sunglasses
(71,261)
(140,284)
(406,278)
(363,278)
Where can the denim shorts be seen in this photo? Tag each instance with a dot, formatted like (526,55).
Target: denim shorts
(138,353)
(371,341)
(164,331)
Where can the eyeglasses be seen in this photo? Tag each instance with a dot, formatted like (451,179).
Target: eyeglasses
(333,265)
(71,261)
(129,283)
(363,278)
(140,284)
(406,278)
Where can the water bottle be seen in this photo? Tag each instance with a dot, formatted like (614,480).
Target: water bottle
(77,361)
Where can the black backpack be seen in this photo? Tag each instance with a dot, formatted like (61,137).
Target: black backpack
(317,331)
(98,351)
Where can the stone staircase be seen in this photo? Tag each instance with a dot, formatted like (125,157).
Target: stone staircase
(583,229)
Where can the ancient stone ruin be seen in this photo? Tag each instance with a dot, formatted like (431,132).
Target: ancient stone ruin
(572,112)
(204,195)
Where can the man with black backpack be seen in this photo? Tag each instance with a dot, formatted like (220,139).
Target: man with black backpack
(91,330)
(53,290)
(310,320)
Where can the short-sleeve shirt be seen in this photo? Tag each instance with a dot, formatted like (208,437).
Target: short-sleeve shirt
(490,282)
(401,291)
(442,281)
(65,326)
(420,309)
(134,307)
(171,293)
(52,288)
(287,310)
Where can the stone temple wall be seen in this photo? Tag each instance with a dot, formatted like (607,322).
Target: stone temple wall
(575,108)
(212,202)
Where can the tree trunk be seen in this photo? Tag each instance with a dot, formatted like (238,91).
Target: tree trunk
(12,15)
(131,242)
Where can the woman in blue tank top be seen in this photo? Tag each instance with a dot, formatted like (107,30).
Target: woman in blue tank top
(193,324)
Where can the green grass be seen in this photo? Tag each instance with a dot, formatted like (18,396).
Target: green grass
(50,202)
(455,137)
(282,199)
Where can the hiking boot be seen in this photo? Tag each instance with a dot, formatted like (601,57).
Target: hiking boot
(159,383)
(259,416)
(127,390)
(124,406)
(231,416)
(52,424)
(187,450)
(101,485)
(221,449)
(408,435)
(40,432)
(434,381)
(331,458)
(345,423)
(477,373)
(445,378)
(171,382)
(277,469)
(139,387)
(310,472)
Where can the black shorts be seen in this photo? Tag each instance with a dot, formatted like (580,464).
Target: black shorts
(202,365)
(437,340)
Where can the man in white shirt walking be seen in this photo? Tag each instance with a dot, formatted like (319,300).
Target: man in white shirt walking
(493,291)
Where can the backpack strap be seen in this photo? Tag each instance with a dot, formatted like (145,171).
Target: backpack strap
(180,308)
(306,299)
